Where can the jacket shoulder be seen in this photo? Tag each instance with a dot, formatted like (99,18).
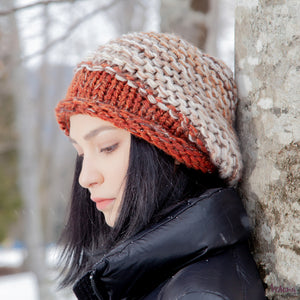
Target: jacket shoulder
(205,295)
(228,275)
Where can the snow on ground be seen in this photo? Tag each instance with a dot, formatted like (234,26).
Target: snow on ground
(25,285)
(19,286)
(11,257)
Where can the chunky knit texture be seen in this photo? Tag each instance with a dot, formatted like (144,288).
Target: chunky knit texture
(166,91)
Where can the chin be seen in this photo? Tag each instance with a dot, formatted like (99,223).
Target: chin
(109,222)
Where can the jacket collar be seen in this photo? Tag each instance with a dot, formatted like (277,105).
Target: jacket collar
(199,227)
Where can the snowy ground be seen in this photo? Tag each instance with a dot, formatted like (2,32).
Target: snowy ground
(24,285)
(18,286)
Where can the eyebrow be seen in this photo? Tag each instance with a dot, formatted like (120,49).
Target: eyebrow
(94,133)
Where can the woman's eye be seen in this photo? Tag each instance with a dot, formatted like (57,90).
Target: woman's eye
(110,148)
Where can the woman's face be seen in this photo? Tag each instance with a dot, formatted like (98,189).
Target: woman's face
(105,151)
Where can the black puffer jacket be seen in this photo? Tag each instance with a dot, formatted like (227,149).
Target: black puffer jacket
(199,252)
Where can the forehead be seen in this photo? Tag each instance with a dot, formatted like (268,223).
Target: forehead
(87,125)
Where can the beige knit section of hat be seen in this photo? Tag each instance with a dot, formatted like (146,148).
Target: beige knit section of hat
(198,85)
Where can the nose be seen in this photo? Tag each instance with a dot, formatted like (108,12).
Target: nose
(90,174)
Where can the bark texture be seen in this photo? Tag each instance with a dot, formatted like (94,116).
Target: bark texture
(267,74)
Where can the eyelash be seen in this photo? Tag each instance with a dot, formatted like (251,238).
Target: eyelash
(110,149)
(106,150)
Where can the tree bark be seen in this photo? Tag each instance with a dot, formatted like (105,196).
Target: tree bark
(267,74)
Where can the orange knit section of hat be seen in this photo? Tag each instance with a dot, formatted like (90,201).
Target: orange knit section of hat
(102,95)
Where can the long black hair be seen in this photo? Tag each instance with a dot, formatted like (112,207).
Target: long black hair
(155,184)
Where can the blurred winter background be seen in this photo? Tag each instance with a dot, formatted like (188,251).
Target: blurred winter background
(40,44)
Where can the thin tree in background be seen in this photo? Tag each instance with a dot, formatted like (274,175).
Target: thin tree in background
(10,201)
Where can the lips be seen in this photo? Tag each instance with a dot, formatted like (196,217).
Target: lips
(102,203)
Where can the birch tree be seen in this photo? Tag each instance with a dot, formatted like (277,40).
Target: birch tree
(267,72)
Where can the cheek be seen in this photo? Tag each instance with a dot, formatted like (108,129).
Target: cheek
(122,169)
(123,161)
(117,170)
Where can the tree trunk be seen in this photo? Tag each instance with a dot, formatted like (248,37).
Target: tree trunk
(28,127)
(128,16)
(266,59)
(10,199)
(195,21)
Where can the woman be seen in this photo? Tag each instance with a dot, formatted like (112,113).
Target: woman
(153,212)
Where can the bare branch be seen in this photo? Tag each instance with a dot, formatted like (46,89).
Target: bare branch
(71,29)
(16,9)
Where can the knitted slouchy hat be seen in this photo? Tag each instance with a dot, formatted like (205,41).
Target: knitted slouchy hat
(166,91)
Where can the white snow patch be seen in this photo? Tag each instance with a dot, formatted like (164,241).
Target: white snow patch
(242,63)
(265,103)
(247,3)
(266,233)
(259,46)
(19,286)
(245,85)
(252,61)
(12,258)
